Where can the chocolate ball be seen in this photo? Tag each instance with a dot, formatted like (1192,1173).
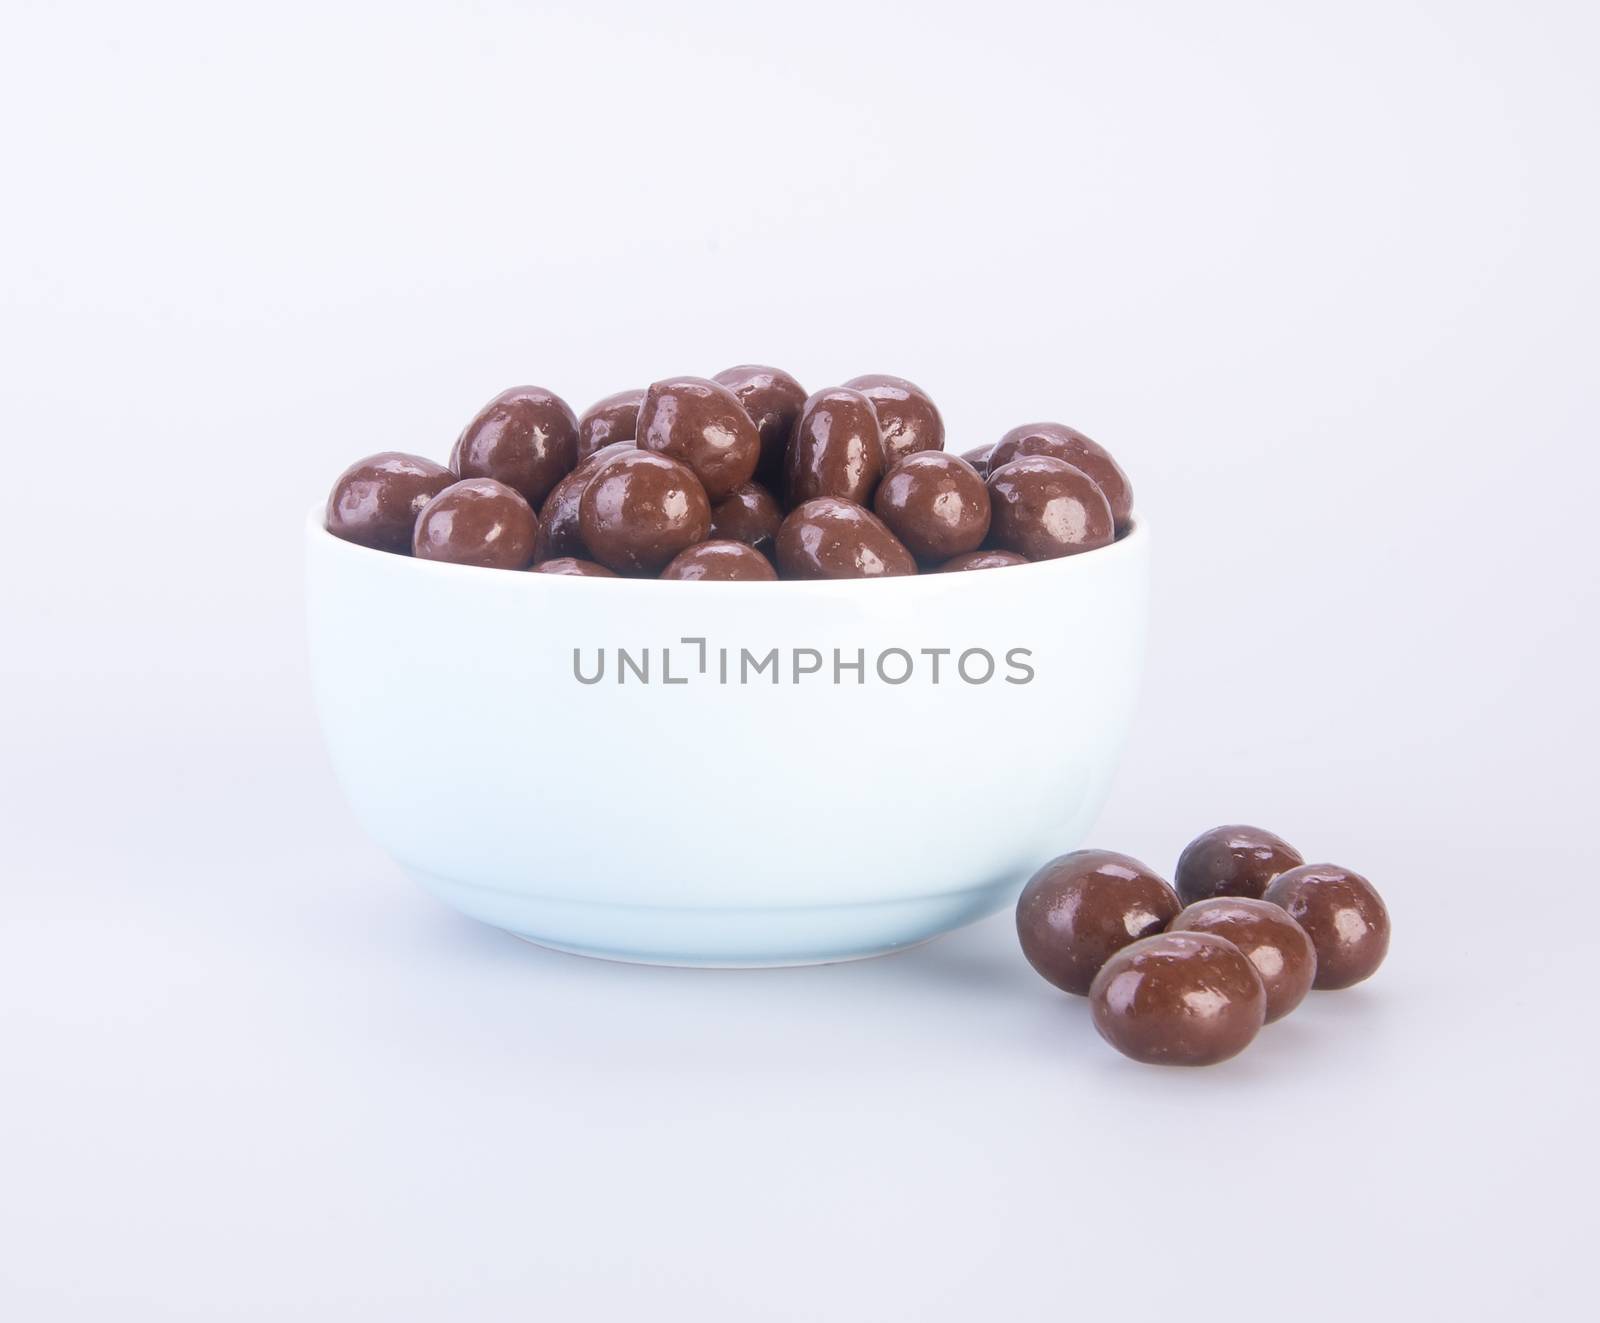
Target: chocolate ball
(376,500)
(978,457)
(1346,917)
(773,399)
(576,568)
(835,450)
(701,424)
(983,560)
(750,515)
(908,422)
(525,437)
(723,560)
(1044,508)
(477,521)
(559,533)
(1082,907)
(1179,999)
(640,510)
(1232,861)
(1279,948)
(1071,445)
(615,418)
(832,539)
(935,503)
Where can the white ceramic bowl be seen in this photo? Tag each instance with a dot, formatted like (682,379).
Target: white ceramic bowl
(800,815)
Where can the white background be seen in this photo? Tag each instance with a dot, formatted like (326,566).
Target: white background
(1323,276)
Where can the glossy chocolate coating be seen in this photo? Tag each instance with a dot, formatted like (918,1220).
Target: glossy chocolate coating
(559,534)
(832,539)
(477,521)
(935,503)
(1234,860)
(640,510)
(908,421)
(773,399)
(750,515)
(1346,917)
(835,450)
(525,437)
(376,500)
(1179,999)
(1043,508)
(1078,450)
(1081,908)
(982,560)
(1279,948)
(573,566)
(615,418)
(701,423)
(723,560)
(978,457)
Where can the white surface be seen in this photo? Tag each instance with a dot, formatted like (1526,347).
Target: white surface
(697,810)
(1324,281)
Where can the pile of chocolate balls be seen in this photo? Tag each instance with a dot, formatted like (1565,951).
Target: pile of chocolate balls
(1187,976)
(740,476)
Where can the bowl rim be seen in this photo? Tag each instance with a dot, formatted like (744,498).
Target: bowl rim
(1130,544)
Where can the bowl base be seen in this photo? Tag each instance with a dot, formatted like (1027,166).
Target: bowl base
(718,937)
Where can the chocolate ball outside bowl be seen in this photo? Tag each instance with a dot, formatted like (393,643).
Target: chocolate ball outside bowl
(1081,908)
(908,420)
(376,501)
(835,450)
(721,560)
(640,510)
(615,418)
(833,539)
(1279,948)
(1043,508)
(700,423)
(934,503)
(1232,860)
(750,515)
(1345,916)
(525,437)
(477,521)
(1179,999)
(1069,444)
(773,399)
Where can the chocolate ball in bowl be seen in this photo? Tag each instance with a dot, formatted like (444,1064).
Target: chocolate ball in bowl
(1043,508)
(559,533)
(908,421)
(615,418)
(640,510)
(722,560)
(376,500)
(477,521)
(1069,444)
(1271,940)
(835,450)
(935,503)
(773,399)
(701,424)
(828,538)
(1082,907)
(1234,860)
(574,567)
(1345,916)
(525,437)
(1179,999)
(982,560)
(750,515)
